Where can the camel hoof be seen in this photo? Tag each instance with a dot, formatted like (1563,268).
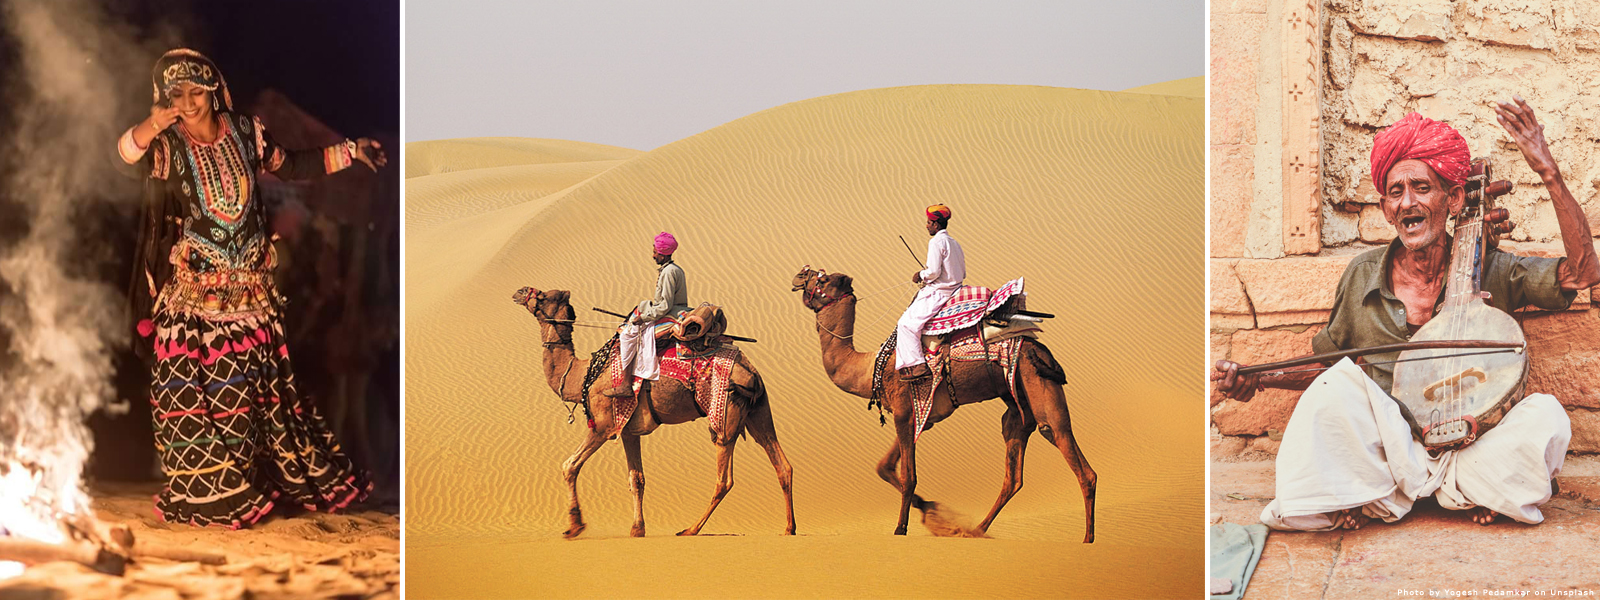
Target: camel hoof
(789,531)
(901,530)
(573,531)
(686,533)
(1088,538)
(637,531)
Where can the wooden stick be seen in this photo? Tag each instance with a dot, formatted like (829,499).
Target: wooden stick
(913,252)
(731,337)
(33,552)
(144,549)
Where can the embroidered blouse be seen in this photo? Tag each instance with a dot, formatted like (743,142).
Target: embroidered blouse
(207,195)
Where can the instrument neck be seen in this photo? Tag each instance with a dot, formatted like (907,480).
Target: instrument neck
(1464,282)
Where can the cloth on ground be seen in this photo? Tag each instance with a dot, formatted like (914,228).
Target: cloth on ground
(1235,550)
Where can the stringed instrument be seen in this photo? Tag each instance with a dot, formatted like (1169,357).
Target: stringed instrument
(1452,398)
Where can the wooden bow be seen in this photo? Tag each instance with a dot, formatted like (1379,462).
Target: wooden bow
(1328,357)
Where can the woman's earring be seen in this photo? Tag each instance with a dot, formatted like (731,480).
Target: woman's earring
(215,106)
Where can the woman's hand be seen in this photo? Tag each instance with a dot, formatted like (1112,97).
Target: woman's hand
(370,153)
(162,117)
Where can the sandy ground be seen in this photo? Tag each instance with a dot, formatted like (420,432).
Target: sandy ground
(1431,553)
(348,555)
(1097,198)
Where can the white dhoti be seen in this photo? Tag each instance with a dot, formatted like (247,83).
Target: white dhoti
(908,342)
(637,344)
(1346,446)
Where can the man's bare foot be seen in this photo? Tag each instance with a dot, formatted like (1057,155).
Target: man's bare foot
(1350,518)
(1483,516)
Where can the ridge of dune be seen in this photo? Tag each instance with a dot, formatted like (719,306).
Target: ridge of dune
(435,199)
(1097,198)
(1193,87)
(431,157)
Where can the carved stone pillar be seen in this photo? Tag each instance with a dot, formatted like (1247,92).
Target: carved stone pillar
(1302,117)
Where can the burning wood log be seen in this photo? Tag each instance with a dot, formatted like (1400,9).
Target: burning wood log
(32,552)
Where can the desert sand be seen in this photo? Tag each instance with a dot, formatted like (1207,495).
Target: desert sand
(1097,198)
(307,555)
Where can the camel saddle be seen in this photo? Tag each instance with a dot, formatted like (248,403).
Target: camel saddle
(664,327)
(972,304)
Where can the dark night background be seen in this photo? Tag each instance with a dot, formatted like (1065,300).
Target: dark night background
(339,63)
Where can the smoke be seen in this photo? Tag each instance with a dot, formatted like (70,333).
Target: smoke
(60,321)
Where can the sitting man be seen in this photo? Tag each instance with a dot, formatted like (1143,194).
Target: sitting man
(947,267)
(1348,455)
(637,340)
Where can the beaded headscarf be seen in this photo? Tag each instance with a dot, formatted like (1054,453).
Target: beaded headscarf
(184,65)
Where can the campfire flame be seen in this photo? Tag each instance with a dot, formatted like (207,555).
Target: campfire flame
(60,323)
(24,512)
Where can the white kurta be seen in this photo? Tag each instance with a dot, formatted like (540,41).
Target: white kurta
(1346,446)
(947,268)
(637,343)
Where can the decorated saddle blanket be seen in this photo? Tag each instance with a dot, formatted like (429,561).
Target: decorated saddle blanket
(969,347)
(969,305)
(709,374)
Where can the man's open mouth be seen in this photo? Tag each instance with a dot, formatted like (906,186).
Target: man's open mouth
(1412,223)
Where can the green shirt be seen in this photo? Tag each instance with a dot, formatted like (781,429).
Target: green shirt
(1366,312)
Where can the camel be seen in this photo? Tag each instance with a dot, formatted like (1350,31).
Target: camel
(1042,404)
(671,403)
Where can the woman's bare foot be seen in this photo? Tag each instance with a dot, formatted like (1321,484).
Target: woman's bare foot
(1483,516)
(1350,518)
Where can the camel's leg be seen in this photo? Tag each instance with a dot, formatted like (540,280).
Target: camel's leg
(570,470)
(1017,428)
(1049,405)
(886,467)
(724,477)
(759,424)
(630,446)
(908,470)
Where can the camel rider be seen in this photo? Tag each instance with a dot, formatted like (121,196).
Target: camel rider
(947,267)
(637,337)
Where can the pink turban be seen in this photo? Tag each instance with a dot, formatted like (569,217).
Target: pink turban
(1436,144)
(666,244)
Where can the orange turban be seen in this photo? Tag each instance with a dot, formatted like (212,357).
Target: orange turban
(1436,144)
(938,211)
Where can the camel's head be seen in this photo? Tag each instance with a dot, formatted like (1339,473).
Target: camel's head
(821,289)
(554,305)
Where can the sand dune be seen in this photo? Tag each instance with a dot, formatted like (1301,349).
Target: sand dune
(1096,197)
(444,156)
(1193,87)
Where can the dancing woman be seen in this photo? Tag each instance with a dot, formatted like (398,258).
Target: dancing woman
(234,435)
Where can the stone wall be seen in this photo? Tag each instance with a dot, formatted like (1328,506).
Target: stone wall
(1299,88)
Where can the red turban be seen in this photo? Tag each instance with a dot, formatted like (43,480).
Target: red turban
(666,244)
(1436,144)
(938,211)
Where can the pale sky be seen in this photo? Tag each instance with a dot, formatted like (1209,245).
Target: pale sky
(643,74)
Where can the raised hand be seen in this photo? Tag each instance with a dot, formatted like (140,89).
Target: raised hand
(162,117)
(370,153)
(1518,120)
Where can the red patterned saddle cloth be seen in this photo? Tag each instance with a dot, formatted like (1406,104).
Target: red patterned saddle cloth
(709,374)
(969,305)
